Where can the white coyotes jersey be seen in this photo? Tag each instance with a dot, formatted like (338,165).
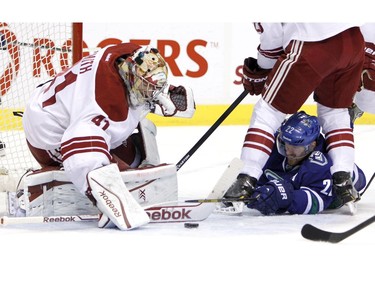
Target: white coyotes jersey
(276,36)
(83,113)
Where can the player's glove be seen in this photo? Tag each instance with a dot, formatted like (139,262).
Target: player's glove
(254,77)
(368,74)
(272,198)
(175,101)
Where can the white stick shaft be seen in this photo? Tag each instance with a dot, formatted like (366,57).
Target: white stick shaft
(49,219)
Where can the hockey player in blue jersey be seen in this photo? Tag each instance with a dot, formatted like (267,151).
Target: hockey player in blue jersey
(297,178)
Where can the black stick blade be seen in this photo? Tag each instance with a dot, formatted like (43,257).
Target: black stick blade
(313,233)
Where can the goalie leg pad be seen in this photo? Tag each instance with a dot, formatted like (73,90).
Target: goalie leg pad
(50,192)
(114,200)
(140,149)
(152,185)
(149,146)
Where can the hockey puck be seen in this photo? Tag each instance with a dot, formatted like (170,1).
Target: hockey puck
(191,225)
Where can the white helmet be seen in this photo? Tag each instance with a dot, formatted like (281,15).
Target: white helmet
(145,74)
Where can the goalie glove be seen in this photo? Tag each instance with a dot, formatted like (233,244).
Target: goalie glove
(272,198)
(175,101)
(254,77)
(368,73)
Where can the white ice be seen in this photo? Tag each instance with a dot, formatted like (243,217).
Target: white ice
(247,247)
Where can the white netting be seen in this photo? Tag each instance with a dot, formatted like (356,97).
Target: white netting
(30,54)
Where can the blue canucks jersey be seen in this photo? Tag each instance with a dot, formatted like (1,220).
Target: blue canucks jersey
(311,179)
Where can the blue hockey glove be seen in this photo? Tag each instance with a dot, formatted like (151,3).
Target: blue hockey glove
(272,198)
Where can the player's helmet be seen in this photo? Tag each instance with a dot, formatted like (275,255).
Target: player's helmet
(300,129)
(145,74)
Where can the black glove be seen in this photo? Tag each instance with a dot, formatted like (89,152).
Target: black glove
(254,77)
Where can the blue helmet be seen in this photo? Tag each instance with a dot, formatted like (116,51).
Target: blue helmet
(300,129)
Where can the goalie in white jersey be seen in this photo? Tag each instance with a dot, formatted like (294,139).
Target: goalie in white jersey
(294,61)
(83,121)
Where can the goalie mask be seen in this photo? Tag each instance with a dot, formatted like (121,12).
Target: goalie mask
(145,74)
(297,135)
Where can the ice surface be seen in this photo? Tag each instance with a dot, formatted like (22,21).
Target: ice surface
(247,247)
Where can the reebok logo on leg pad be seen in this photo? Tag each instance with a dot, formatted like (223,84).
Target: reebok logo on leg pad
(114,200)
(109,203)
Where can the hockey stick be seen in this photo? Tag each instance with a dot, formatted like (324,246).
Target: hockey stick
(313,233)
(211,130)
(173,211)
(221,200)
(47,219)
(369,182)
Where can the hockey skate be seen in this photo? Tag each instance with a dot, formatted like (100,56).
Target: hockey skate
(355,112)
(242,188)
(345,191)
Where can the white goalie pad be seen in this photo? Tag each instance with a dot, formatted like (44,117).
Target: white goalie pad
(152,185)
(163,212)
(50,193)
(147,130)
(114,200)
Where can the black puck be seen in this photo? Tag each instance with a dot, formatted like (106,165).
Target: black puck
(191,225)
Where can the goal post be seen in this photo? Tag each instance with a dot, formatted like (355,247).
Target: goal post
(77,41)
(30,54)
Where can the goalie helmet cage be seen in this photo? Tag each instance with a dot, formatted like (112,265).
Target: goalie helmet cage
(30,54)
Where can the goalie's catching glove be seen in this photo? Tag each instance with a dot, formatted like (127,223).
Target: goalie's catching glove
(175,101)
(272,198)
(254,77)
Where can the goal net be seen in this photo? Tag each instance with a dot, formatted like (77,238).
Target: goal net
(30,54)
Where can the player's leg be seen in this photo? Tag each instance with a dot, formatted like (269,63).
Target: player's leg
(335,96)
(288,86)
